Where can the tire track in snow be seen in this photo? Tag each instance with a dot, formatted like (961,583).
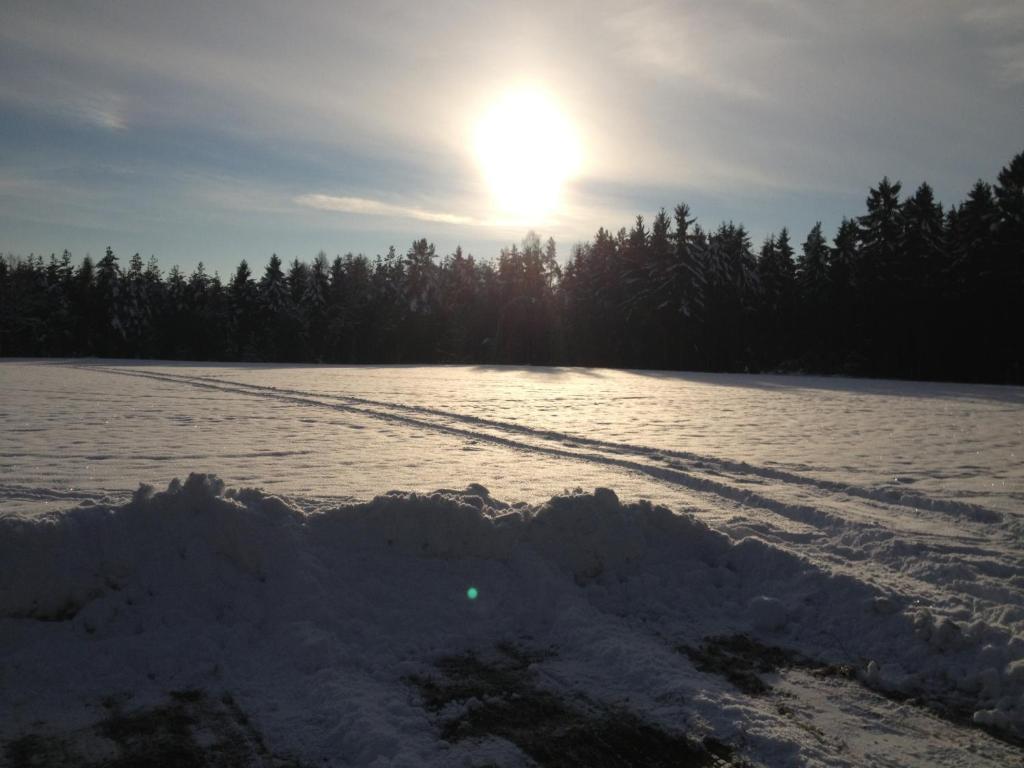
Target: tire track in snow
(675,476)
(858,538)
(854,539)
(684,461)
(703,463)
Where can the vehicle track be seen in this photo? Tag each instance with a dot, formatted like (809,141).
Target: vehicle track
(862,531)
(673,459)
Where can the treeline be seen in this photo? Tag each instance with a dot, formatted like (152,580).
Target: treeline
(907,290)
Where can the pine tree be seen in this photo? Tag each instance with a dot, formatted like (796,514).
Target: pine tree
(112,331)
(243,304)
(921,237)
(314,298)
(732,290)
(976,270)
(921,244)
(359,309)
(297,279)
(1009,193)
(812,267)
(879,279)
(136,316)
(905,290)
(688,284)
(815,330)
(314,306)
(6,309)
(174,343)
(338,312)
(277,320)
(776,281)
(420,278)
(549,263)
(60,322)
(274,297)
(880,233)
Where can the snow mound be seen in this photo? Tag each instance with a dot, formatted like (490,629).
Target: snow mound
(199,533)
(314,619)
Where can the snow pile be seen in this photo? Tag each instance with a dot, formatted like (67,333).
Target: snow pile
(313,620)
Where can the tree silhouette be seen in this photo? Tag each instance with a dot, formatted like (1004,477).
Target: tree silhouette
(905,289)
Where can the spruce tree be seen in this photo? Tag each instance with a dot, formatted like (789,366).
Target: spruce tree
(813,327)
(112,331)
(879,279)
(243,304)
(921,278)
(1009,193)
(313,307)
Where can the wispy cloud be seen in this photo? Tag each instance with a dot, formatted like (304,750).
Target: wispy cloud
(792,106)
(68,101)
(682,42)
(1003,23)
(367,207)
(101,111)
(575,222)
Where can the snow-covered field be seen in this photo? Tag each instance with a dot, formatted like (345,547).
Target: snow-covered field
(830,571)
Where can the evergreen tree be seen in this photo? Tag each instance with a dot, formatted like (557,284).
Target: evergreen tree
(59,311)
(277,321)
(111,332)
(314,307)
(1009,193)
(298,279)
(174,341)
(338,313)
(776,282)
(976,276)
(687,284)
(273,293)
(7,318)
(731,298)
(136,307)
(243,314)
(880,279)
(814,329)
(906,290)
(359,309)
(921,248)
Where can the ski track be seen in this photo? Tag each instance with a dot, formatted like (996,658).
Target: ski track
(865,532)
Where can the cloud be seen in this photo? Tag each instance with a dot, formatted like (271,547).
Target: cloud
(67,101)
(101,112)
(687,93)
(1003,24)
(684,43)
(368,207)
(793,107)
(575,222)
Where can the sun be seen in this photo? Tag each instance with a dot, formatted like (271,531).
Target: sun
(527,150)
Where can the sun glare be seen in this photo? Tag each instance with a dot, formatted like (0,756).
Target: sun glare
(527,150)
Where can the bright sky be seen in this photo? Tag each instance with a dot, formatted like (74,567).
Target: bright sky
(217,131)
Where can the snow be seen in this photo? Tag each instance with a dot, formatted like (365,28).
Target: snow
(297,584)
(767,613)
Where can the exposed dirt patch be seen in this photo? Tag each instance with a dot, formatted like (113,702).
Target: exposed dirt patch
(501,699)
(190,730)
(743,662)
(746,664)
(67,611)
